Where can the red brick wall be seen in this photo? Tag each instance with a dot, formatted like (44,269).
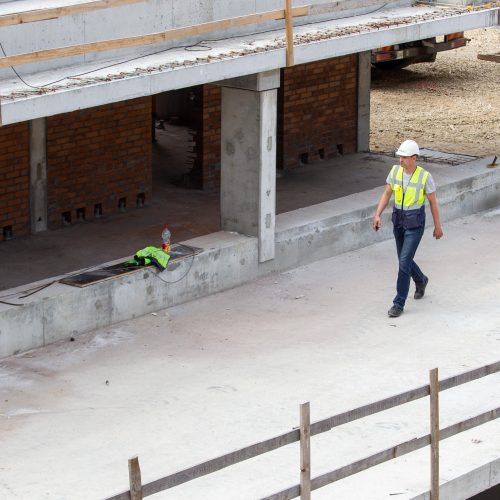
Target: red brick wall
(211,135)
(14,179)
(205,173)
(317,117)
(317,111)
(97,156)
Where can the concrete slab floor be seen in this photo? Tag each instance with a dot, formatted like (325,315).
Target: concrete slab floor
(198,380)
(188,212)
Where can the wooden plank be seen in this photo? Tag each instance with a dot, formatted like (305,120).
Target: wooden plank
(153,38)
(490,57)
(214,465)
(289,32)
(434,418)
(369,409)
(134,474)
(221,462)
(178,253)
(31,16)
(305,452)
(385,455)
(469,376)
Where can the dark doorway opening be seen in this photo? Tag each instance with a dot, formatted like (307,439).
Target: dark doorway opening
(491,494)
(175,120)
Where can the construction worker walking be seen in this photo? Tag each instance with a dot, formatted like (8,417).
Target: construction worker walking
(410,184)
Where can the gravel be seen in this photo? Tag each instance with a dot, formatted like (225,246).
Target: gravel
(450,105)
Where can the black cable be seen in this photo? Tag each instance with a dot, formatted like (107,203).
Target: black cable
(14,70)
(33,290)
(188,48)
(37,290)
(40,87)
(204,46)
(182,277)
(10,303)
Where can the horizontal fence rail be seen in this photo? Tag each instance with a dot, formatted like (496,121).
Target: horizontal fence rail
(399,399)
(386,455)
(274,443)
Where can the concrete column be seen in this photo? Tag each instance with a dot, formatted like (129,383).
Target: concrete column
(248,158)
(364,83)
(38,175)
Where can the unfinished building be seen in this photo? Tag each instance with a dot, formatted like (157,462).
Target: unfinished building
(260,87)
(265,85)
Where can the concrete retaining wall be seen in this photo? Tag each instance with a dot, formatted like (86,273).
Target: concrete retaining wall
(467,485)
(229,260)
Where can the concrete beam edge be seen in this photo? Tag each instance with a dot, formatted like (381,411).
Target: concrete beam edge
(144,85)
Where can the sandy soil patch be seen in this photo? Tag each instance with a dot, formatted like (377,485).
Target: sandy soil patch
(450,105)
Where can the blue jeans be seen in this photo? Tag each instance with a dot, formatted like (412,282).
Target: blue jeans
(407,241)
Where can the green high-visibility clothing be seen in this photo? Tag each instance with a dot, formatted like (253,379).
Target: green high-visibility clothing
(151,255)
(409,201)
(413,196)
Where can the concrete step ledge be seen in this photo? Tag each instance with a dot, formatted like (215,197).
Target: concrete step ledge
(468,485)
(228,260)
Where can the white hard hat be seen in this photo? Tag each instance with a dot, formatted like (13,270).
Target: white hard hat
(408,148)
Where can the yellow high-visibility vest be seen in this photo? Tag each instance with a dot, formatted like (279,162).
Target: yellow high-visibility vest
(413,195)
(150,255)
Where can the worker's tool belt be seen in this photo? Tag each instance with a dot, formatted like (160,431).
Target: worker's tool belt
(408,219)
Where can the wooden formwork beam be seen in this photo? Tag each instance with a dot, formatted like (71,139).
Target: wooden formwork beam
(121,43)
(289,32)
(31,16)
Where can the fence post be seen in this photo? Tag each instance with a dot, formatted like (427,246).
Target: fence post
(134,474)
(305,452)
(434,407)
(289,32)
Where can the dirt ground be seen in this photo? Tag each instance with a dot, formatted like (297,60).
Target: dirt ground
(450,105)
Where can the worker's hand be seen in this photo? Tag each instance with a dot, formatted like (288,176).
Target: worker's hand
(376,223)
(438,232)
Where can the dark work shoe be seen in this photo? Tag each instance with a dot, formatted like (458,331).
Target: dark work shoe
(395,311)
(420,289)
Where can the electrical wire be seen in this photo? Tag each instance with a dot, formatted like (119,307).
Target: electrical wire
(40,87)
(31,291)
(182,277)
(200,46)
(16,73)
(203,44)
(10,303)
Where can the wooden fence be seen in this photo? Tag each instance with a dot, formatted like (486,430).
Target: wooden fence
(137,490)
